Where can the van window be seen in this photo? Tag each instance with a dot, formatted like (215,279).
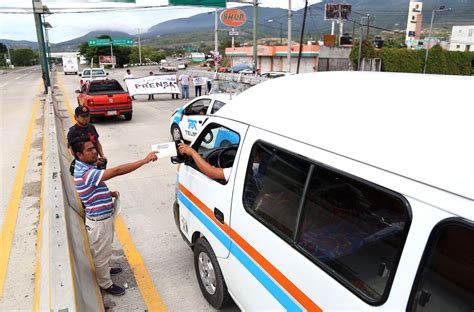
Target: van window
(217,105)
(217,145)
(274,187)
(354,230)
(445,279)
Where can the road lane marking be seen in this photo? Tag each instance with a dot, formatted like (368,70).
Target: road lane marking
(9,223)
(147,288)
(3,85)
(18,77)
(85,238)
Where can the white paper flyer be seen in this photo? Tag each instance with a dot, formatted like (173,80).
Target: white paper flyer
(167,149)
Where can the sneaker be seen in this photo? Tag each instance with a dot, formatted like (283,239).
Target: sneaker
(115,271)
(115,290)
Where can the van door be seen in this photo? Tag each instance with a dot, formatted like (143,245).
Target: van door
(194,116)
(205,204)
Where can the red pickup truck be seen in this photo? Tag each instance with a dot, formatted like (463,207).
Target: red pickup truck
(105,98)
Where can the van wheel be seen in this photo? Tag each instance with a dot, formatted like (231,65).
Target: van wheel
(176,133)
(209,275)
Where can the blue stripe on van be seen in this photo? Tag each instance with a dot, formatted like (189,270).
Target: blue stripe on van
(274,289)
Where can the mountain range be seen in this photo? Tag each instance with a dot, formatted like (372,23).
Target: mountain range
(387,14)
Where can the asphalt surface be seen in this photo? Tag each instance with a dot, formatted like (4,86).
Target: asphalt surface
(147,196)
(21,126)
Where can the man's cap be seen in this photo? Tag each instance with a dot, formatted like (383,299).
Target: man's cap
(81,111)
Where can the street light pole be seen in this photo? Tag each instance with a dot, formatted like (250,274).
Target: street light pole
(139,47)
(289,37)
(255,47)
(440,9)
(281,29)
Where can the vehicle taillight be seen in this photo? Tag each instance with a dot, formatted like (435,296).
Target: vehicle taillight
(129,100)
(90,102)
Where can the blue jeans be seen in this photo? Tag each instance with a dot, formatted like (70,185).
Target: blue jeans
(185,89)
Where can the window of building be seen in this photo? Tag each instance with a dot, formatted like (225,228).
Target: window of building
(274,187)
(445,280)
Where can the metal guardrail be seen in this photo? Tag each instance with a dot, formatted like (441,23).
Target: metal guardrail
(67,275)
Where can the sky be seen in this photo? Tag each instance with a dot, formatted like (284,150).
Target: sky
(72,25)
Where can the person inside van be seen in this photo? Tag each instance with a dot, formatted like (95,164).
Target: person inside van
(205,167)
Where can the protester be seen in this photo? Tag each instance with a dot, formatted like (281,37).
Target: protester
(197,86)
(83,127)
(175,95)
(184,80)
(128,75)
(150,96)
(209,85)
(98,206)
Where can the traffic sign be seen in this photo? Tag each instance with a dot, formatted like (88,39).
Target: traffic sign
(233,17)
(207,3)
(123,42)
(233,33)
(99,42)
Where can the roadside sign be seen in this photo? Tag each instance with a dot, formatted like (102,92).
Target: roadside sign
(233,33)
(207,3)
(99,42)
(123,42)
(107,59)
(233,17)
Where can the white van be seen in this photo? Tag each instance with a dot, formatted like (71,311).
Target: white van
(348,191)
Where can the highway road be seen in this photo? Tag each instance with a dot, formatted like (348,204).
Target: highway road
(147,196)
(21,123)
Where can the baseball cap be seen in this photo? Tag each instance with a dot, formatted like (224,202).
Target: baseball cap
(81,111)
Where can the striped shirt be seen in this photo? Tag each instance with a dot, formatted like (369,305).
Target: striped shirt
(95,195)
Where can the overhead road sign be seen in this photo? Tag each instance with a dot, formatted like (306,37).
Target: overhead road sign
(233,17)
(99,42)
(202,3)
(123,42)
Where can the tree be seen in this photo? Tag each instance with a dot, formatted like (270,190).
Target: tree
(436,63)
(368,52)
(23,57)
(148,54)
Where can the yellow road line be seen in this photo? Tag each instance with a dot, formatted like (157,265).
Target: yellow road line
(85,238)
(9,223)
(145,283)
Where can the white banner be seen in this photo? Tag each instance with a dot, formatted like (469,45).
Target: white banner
(199,81)
(152,85)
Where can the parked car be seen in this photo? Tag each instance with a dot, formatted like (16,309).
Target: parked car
(274,74)
(89,74)
(241,67)
(187,121)
(333,205)
(105,98)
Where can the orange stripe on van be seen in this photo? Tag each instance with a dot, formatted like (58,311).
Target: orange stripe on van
(281,279)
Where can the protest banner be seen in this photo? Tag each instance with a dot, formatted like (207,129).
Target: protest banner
(162,84)
(199,81)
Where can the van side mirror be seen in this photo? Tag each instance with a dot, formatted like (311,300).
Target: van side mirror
(177,159)
(77,91)
(107,74)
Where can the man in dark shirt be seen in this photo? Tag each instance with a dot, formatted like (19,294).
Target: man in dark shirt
(84,128)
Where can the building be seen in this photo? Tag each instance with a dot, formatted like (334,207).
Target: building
(462,38)
(274,58)
(414,21)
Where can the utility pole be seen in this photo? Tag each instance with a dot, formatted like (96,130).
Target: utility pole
(301,37)
(111,53)
(139,47)
(360,44)
(368,26)
(290,13)
(255,23)
(216,38)
(38,10)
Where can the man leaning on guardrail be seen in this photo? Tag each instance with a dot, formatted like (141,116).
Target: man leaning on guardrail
(98,206)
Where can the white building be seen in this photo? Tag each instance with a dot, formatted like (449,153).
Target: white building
(462,38)
(415,18)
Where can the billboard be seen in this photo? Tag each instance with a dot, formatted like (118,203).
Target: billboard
(233,17)
(337,11)
(106,59)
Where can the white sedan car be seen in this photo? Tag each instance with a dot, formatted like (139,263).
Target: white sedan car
(187,121)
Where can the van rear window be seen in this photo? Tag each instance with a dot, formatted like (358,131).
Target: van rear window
(445,279)
(351,228)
